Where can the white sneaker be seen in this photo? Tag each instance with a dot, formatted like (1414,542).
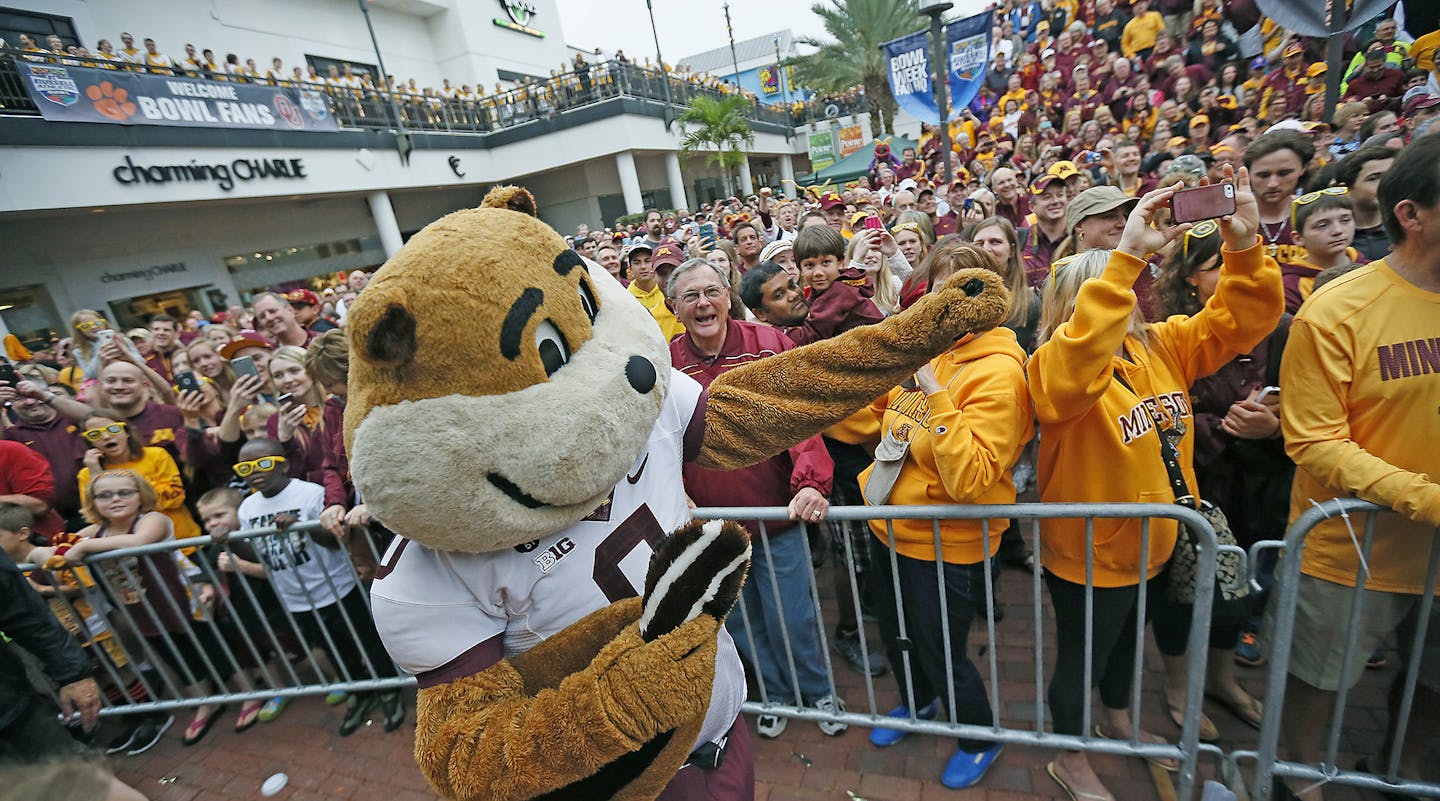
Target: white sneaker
(831,704)
(770,726)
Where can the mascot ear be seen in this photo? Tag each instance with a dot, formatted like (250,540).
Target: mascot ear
(514,198)
(390,342)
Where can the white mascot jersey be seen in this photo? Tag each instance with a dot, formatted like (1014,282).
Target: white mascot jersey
(530,592)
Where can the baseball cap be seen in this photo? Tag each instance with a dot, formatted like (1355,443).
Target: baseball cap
(1199,119)
(1038,185)
(1049,51)
(908,183)
(774,249)
(666,254)
(1316,70)
(1176,141)
(1096,200)
(305,297)
(244,339)
(1294,50)
(1064,170)
(830,200)
(1416,99)
(642,245)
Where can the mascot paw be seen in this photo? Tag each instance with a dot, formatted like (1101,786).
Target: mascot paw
(697,570)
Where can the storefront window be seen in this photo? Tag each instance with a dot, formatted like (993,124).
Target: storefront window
(260,270)
(30,315)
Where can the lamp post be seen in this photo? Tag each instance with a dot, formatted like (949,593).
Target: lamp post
(660,64)
(734,62)
(402,137)
(941,77)
(780,71)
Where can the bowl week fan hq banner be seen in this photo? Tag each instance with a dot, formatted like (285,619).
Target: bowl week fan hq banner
(967,51)
(81,94)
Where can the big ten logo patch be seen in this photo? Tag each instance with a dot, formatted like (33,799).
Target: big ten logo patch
(550,557)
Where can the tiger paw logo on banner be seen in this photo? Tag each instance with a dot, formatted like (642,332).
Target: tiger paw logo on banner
(111,100)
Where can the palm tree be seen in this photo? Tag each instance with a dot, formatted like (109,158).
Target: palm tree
(719,125)
(858,28)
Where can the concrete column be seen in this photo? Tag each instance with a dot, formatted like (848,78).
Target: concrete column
(629,182)
(385,223)
(679,197)
(747,185)
(787,174)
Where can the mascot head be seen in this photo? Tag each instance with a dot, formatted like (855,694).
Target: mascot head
(500,386)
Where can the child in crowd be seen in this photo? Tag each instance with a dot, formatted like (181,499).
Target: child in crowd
(839,301)
(316,585)
(1325,224)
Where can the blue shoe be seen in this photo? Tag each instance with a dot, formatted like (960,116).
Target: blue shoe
(966,769)
(881,737)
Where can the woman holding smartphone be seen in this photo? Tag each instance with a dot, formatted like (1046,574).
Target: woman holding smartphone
(301,414)
(1107,386)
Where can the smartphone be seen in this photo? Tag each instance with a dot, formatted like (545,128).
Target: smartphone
(1202,203)
(285,401)
(1265,393)
(8,374)
(244,365)
(872,223)
(103,338)
(186,381)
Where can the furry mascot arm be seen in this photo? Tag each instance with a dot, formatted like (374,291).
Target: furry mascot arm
(554,721)
(761,408)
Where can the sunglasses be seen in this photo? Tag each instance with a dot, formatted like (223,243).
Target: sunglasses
(90,325)
(94,434)
(262,465)
(1311,197)
(106,495)
(1200,231)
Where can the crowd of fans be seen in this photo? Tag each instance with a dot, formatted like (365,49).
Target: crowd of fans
(356,93)
(1142,359)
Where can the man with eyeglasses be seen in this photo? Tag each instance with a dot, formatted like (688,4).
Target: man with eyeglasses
(799,478)
(45,422)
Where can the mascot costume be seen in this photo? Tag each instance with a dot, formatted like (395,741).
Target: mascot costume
(514,418)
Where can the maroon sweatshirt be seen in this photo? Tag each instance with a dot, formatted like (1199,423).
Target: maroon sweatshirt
(774,481)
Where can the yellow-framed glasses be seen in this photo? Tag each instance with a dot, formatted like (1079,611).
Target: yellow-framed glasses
(90,325)
(1201,230)
(1311,197)
(94,434)
(262,465)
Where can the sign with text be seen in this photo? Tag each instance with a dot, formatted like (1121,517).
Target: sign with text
(852,138)
(822,150)
(907,65)
(82,94)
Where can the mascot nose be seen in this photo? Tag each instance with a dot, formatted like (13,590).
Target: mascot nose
(974,287)
(641,374)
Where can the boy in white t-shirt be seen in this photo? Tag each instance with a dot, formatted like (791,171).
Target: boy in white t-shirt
(312,574)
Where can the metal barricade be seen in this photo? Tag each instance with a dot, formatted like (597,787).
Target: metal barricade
(155,641)
(1269,766)
(1187,751)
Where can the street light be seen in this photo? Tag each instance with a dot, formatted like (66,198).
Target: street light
(734,62)
(780,70)
(941,77)
(402,137)
(660,64)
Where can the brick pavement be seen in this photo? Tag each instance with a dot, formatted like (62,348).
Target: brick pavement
(802,764)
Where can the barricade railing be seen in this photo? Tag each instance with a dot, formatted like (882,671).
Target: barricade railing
(261,648)
(163,648)
(1186,751)
(1382,776)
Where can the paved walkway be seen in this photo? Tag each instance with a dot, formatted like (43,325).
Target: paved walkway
(802,764)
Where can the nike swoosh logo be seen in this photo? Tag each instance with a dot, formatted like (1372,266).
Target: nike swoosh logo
(636,477)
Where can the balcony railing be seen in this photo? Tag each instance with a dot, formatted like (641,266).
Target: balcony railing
(366,106)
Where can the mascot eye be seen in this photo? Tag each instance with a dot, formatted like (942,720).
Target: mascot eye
(588,301)
(554,353)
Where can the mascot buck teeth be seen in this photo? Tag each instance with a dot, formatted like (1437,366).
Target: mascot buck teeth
(513,416)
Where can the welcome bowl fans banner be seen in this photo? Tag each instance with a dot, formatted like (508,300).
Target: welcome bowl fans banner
(81,94)
(967,48)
